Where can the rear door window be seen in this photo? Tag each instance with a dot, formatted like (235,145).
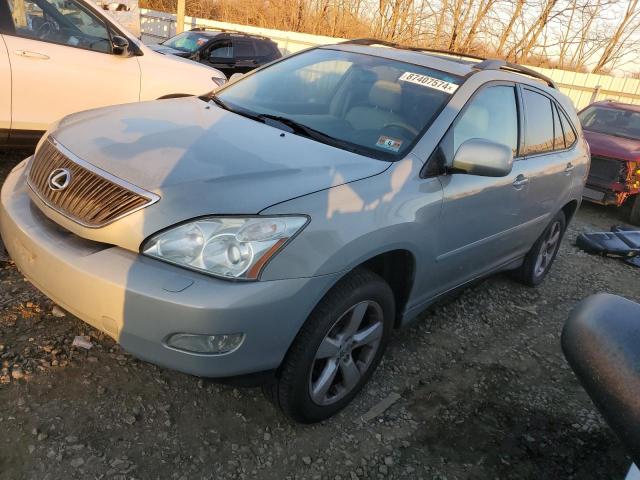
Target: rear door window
(243,50)
(539,123)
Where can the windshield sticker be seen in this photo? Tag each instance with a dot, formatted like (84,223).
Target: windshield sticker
(429,82)
(389,143)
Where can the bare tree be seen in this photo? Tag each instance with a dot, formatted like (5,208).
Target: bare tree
(575,34)
(614,49)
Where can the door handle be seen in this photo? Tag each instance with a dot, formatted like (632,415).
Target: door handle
(569,168)
(520,181)
(27,53)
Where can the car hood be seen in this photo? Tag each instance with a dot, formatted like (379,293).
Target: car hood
(605,145)
(167,50)
(202,160)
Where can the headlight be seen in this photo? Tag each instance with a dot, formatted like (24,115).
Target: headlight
(230,247)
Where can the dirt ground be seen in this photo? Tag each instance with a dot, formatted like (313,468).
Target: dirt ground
(481,390)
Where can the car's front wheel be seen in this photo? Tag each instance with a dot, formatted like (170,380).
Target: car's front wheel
(337,350)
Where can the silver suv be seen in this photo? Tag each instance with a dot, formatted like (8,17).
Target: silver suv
(290,221)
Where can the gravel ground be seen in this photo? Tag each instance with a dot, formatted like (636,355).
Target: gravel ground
(479,389)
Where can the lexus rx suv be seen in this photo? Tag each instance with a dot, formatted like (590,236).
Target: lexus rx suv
(288,223)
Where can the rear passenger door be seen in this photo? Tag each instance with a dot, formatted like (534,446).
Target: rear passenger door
(547,159)
(244,55)
(481,227)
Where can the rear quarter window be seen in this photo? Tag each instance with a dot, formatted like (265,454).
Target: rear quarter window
(569,131)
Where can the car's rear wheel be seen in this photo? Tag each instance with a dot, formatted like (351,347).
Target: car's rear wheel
(337,349)
(538,261)
(634,217)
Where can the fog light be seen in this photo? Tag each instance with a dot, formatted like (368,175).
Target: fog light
(213,344)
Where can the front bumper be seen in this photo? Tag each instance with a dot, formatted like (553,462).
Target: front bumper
(141,301)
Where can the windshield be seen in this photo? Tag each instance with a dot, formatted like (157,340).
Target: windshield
(612,121)
(371,105)
(187,41)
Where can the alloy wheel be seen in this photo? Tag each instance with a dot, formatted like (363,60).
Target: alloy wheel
(346,353)
(548,249)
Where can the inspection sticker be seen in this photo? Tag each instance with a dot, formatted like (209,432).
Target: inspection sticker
(389,143)
(429,82)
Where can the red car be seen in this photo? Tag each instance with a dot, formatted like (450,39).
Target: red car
(612,130)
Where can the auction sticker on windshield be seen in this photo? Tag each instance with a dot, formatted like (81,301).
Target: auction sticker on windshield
(389,143)
(429,82)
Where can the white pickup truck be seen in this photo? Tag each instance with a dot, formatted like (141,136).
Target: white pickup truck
(59,57)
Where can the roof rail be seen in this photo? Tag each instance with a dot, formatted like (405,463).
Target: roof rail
(484,64)
(370,41)
(374,41)
(495,64)
(203,28)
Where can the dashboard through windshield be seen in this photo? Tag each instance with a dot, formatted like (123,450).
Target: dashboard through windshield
(375,106)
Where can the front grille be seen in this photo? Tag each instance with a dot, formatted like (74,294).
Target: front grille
(607,170)
(93,198)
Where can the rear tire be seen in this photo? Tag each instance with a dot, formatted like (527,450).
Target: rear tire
(337,350)
(539,259)
(634,217)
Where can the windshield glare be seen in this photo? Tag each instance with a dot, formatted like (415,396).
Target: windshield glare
(617,122)
(187,41)
(375,105)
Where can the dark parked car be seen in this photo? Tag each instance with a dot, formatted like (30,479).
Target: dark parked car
(612,130)
(229,52)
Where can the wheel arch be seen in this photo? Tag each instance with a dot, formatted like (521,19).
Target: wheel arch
(570,210)
(397,268)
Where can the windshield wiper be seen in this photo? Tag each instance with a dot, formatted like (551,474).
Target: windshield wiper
(215,99)
(309,132)
(240,111)
(294,126)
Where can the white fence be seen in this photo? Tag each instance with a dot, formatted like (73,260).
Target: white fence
(582,88)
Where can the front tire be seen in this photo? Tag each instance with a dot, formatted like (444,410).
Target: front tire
(337,350)
(539,259)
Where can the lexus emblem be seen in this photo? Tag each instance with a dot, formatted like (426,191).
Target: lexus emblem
(59,179)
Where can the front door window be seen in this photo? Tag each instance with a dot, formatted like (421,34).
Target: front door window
(65,22)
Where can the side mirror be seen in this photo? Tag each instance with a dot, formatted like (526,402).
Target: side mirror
(484,158)
(120,45)
(235,76)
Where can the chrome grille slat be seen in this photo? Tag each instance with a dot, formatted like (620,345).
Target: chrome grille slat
(94,198)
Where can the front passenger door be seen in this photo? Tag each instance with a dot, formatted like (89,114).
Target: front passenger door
(481,216)
(62,62)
